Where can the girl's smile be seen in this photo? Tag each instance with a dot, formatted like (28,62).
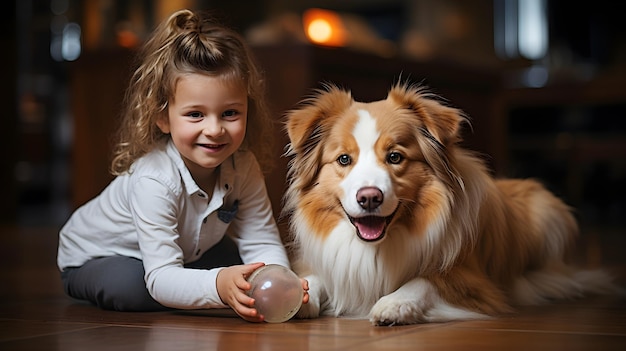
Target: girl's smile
(213,147)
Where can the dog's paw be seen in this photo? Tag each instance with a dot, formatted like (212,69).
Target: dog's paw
(417,302)
(391,310)
(410,304)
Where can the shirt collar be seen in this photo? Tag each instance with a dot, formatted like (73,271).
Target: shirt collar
(225,178)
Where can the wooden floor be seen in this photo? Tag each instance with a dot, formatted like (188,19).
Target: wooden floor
(35,315)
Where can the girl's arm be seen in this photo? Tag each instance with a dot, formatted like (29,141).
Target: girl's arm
(155,208)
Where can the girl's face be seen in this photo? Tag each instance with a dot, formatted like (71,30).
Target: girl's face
(207,121)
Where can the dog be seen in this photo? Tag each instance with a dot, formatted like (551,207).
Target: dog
(393,220)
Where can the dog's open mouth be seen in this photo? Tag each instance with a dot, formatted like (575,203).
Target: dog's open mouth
(371,228)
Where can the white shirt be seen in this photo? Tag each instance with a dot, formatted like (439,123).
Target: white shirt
(158,214)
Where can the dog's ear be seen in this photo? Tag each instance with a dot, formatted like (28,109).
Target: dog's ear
(442,122)
(306,121)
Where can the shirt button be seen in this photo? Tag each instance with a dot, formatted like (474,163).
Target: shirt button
(226,186)
(204,220)
(198,252)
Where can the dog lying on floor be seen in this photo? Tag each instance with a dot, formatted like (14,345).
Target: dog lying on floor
(393,220)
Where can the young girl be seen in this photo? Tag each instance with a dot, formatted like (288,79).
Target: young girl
(189,205)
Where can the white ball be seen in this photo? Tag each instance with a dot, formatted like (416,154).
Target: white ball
(277,292)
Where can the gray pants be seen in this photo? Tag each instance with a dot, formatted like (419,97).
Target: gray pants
(117,282)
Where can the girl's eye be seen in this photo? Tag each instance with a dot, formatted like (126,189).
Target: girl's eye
(395,158)
(194,114)
(344,160)
(230,113)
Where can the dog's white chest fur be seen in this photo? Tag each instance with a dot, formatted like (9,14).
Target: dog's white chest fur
(353,273)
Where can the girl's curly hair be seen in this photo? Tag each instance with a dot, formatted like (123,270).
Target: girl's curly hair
(188,42)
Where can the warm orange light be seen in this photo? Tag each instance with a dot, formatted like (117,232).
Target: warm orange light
(127,39)
(323,27)
(320,30)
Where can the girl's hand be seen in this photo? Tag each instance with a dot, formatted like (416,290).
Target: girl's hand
(232,287)
(305,287)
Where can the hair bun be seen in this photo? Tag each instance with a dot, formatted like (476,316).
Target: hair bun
(183,20)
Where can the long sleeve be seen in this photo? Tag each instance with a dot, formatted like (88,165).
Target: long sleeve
(156,213)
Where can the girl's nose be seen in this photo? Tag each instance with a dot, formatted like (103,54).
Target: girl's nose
(212,127)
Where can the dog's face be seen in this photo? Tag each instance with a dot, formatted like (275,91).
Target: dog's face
(372,164)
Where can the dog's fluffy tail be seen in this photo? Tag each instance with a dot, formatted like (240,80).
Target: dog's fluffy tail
(562,282)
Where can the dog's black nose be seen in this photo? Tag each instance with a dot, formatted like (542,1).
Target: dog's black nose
(369,198)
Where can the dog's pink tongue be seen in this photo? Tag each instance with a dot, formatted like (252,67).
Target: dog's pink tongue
(370,227)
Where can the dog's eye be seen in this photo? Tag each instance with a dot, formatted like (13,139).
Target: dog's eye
(394,158)
(344,160)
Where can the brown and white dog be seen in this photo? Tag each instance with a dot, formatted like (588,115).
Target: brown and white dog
(393,220)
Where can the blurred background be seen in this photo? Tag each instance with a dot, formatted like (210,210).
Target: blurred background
(543,81)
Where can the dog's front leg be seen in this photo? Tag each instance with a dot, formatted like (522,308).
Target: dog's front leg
(417,301)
